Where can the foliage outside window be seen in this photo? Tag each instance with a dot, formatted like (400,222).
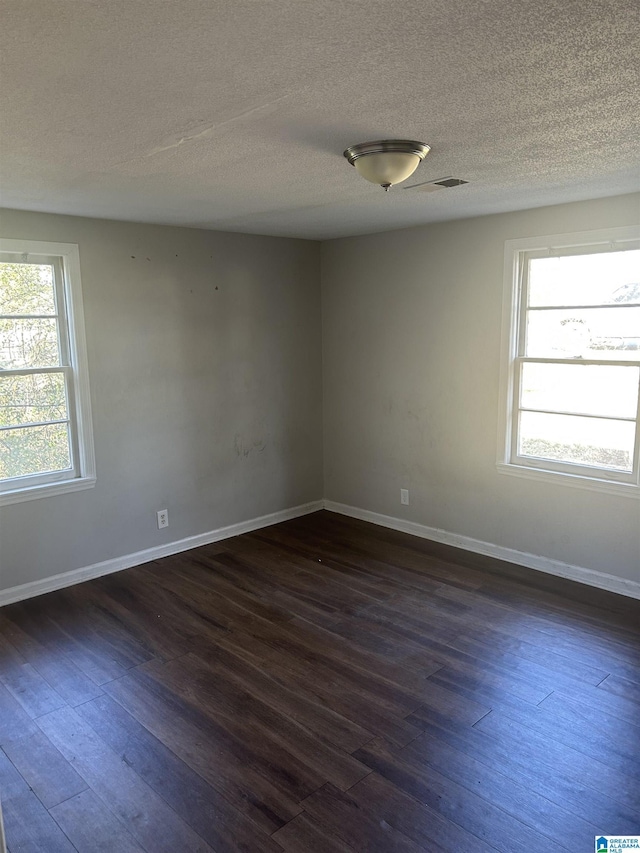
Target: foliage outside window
(45,423)
(571,370)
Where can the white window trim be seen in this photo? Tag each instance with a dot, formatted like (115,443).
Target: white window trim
(514,253)
(57,483)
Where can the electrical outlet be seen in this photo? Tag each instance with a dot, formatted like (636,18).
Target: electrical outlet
(404,497)
(163,518)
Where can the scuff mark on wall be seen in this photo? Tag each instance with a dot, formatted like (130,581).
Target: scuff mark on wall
(243,447)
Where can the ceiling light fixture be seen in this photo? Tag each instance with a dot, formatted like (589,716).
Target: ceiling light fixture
(387,161)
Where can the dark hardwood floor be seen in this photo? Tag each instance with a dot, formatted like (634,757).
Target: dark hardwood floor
(322,685)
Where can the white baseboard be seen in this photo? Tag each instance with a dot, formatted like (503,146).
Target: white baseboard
(510,555)
(127,561)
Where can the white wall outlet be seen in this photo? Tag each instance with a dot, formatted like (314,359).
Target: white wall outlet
(163,518)
(404,497)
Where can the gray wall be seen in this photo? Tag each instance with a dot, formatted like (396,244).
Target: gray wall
(205,369)
(209,401)
(411,343)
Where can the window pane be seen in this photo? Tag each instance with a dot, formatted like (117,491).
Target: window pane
(610,277)
(587,441)
(28,343)
(34,450)
(26,289)
(602,333)
(588,389)
(28,399)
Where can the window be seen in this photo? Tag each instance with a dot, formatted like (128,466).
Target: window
(571,360)
(46,444)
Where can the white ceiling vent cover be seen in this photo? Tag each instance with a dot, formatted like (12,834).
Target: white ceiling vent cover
(439,184)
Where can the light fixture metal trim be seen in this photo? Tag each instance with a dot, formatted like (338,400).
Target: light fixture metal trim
(398,146)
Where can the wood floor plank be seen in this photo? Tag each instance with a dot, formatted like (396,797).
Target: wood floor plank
(102,626)
(546,627)
(489,689)
(553,751)
(146,816)
(323,685)
(303,834)
(422,824)
(49,775)
(12,783)
(377,815)
(513,796)
(52,663)
(605,715)
(29,827)
(10,657)
(91,827)
(345,688)
(31,690)
(302,626)
(556,777)
(359,548)
(15,723)
(200,602)
(96,660)
(377,638)
(198,803)
(278,737)
(617,749)
(250,784)
(336,692)
(318,652)
(329,726)
(454,706)
(149,614)
(194,579)
(478,639)
(352,588)
(483,642)
(324,594)
(621,623)
(342,815)
(453,801)
(409,675)
(619,686)
(93,629)
(512,675)
(489,567)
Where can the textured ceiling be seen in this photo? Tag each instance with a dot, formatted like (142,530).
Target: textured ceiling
(233,114)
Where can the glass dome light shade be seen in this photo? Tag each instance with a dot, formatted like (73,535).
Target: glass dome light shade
(387,167)
(387,161)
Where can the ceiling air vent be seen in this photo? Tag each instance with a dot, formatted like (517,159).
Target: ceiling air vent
(440,184)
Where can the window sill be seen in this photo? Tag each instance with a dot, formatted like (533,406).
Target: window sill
(46,491)
(576,481)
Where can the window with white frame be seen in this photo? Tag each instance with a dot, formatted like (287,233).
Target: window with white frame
(46,444)
(571,360)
